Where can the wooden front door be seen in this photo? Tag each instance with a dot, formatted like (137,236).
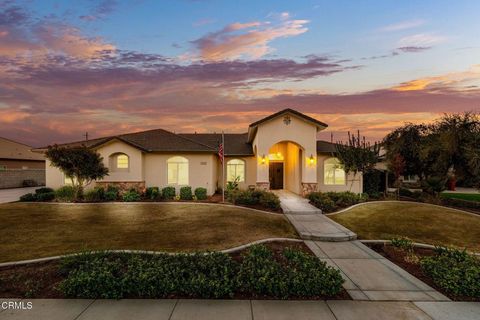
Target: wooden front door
(276,175)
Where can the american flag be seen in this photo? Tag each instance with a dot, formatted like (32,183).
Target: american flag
(220,152)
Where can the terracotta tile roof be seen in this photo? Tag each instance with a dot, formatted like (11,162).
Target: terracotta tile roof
(235,143)
(159,140)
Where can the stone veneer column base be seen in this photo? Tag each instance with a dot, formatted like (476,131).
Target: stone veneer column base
(124,186)
(308,187)
(263,186)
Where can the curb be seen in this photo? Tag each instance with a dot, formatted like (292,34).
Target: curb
(397,201)
(415,244)
(230,250)
(149,203)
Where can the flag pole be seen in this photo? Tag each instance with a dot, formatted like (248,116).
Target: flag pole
(223,168)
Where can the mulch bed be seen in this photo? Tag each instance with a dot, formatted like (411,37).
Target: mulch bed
(40,280)
(398,257)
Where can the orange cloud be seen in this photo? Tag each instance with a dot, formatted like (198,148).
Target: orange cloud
(228,44)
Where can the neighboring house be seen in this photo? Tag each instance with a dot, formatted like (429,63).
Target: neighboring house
(18,164)
(280,151)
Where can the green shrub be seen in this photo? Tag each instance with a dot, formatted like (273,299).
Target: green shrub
(372,182)
(260,274)
(96,194)
(65,193)
(168,193)
(322,201)
(434,185)
(402,243)
(186,193)
(269,200)
(131,196)
(45,196)
(455,271)
(112,193)
(29,197)
(201,193)
(152,193)
(332,201)
(44,190)
(213,275)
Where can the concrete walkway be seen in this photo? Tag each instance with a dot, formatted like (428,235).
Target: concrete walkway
(309,221)
(10,195)
(51,309)
(369,276)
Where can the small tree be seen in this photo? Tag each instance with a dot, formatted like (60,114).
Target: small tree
(397,166)
(357,155)
(80,164)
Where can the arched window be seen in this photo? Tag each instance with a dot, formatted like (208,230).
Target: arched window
(333,172)
(119,162)
(177,172)
(236,170)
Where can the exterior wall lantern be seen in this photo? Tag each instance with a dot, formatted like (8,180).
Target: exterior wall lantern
(263,159)
(312,159)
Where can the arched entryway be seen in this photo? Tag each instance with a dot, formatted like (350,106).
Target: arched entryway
(285,162)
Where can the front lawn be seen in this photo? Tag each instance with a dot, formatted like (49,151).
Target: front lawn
(462,196)
(29,231)
(418,221)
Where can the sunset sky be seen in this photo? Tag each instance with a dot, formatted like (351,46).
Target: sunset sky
(110,67)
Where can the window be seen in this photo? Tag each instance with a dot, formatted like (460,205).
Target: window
(236,169)
(122,161)
(177,172)
(333,172)
(119,162)
(68,181)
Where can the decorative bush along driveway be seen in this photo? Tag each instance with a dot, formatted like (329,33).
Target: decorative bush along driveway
(418,221)
(35,230)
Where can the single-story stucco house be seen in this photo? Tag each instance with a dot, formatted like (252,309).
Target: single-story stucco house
(280,151)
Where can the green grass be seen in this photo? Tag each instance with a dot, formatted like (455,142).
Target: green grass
(418,221)
(35,230)
(462,196)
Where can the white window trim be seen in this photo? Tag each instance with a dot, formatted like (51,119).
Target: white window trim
(178,163)
(244,169)
(325,176)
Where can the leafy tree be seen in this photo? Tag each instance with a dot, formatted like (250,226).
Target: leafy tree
(80,164)
(408,142)
(357,155)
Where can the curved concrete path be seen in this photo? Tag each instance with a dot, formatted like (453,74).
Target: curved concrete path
(309,221)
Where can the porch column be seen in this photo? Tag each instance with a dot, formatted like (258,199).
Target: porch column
(309,172)
(263,178)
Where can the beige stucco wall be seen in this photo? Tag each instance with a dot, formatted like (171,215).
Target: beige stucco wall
(54,178)
(201,170)
(135,170)
(356,187)
(250,171)
(299,131)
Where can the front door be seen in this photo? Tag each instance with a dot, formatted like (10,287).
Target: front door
(276,175)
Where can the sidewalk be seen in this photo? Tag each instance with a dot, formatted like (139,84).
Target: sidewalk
(309,221)
(241,310)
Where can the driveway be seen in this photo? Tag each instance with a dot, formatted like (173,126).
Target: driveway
(11,195)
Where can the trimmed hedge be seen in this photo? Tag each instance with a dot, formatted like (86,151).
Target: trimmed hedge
(96,194)
(131,196)
(65,193)
(212,275)
(112,193)
(153,193)
(186,193)
(333,201)
(168,193)
(201,193)
(29,197)
(44,190)
(455,271)
(266,199)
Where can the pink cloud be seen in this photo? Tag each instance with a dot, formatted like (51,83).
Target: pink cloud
(252,42)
